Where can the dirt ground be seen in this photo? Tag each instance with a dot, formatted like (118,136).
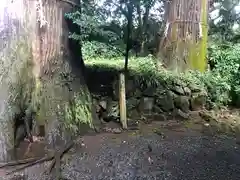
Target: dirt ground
(161,150)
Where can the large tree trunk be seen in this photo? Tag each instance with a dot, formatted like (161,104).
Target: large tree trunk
(184,43)
(37,60)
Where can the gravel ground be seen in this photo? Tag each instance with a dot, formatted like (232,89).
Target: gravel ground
(185,158)
(178,156)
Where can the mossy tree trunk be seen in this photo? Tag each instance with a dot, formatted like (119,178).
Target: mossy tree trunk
(38,70)
(184,44)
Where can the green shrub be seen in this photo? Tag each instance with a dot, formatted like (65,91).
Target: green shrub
(222,83)
(143,71)
(96,49)
(226,72)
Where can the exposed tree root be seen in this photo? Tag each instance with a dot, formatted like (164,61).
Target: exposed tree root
(19,162)
(55,157)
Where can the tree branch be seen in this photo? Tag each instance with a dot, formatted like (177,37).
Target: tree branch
(71,3)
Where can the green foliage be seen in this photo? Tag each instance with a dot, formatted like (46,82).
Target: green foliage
(107,24)
(218,88)
(95,49)
(92,26)
(227,68)
(227,17)
(222,84)
(144,71)
(102,32)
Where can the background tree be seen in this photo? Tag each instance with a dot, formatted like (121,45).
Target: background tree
(106,23)
(226,17)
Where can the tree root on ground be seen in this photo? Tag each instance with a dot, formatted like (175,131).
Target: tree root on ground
(19,162)
(55,157)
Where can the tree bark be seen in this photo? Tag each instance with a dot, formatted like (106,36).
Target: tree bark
(183,45)
(60,73)
(38,58)
(142,23)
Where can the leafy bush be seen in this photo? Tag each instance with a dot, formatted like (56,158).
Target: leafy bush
(143,70)
(225,75)
(222,83)
(96,49)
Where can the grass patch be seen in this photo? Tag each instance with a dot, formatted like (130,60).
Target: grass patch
(145,73)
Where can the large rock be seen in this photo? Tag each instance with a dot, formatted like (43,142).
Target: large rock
(103,103)
(113,110)
(187,91)
(137,93)
(134,114)
(149,92)
(132,103)
(198,101)
(146,104)
(180,115)
(194,88)
(165,101)
(177,89)
(182,102)
(157,109)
